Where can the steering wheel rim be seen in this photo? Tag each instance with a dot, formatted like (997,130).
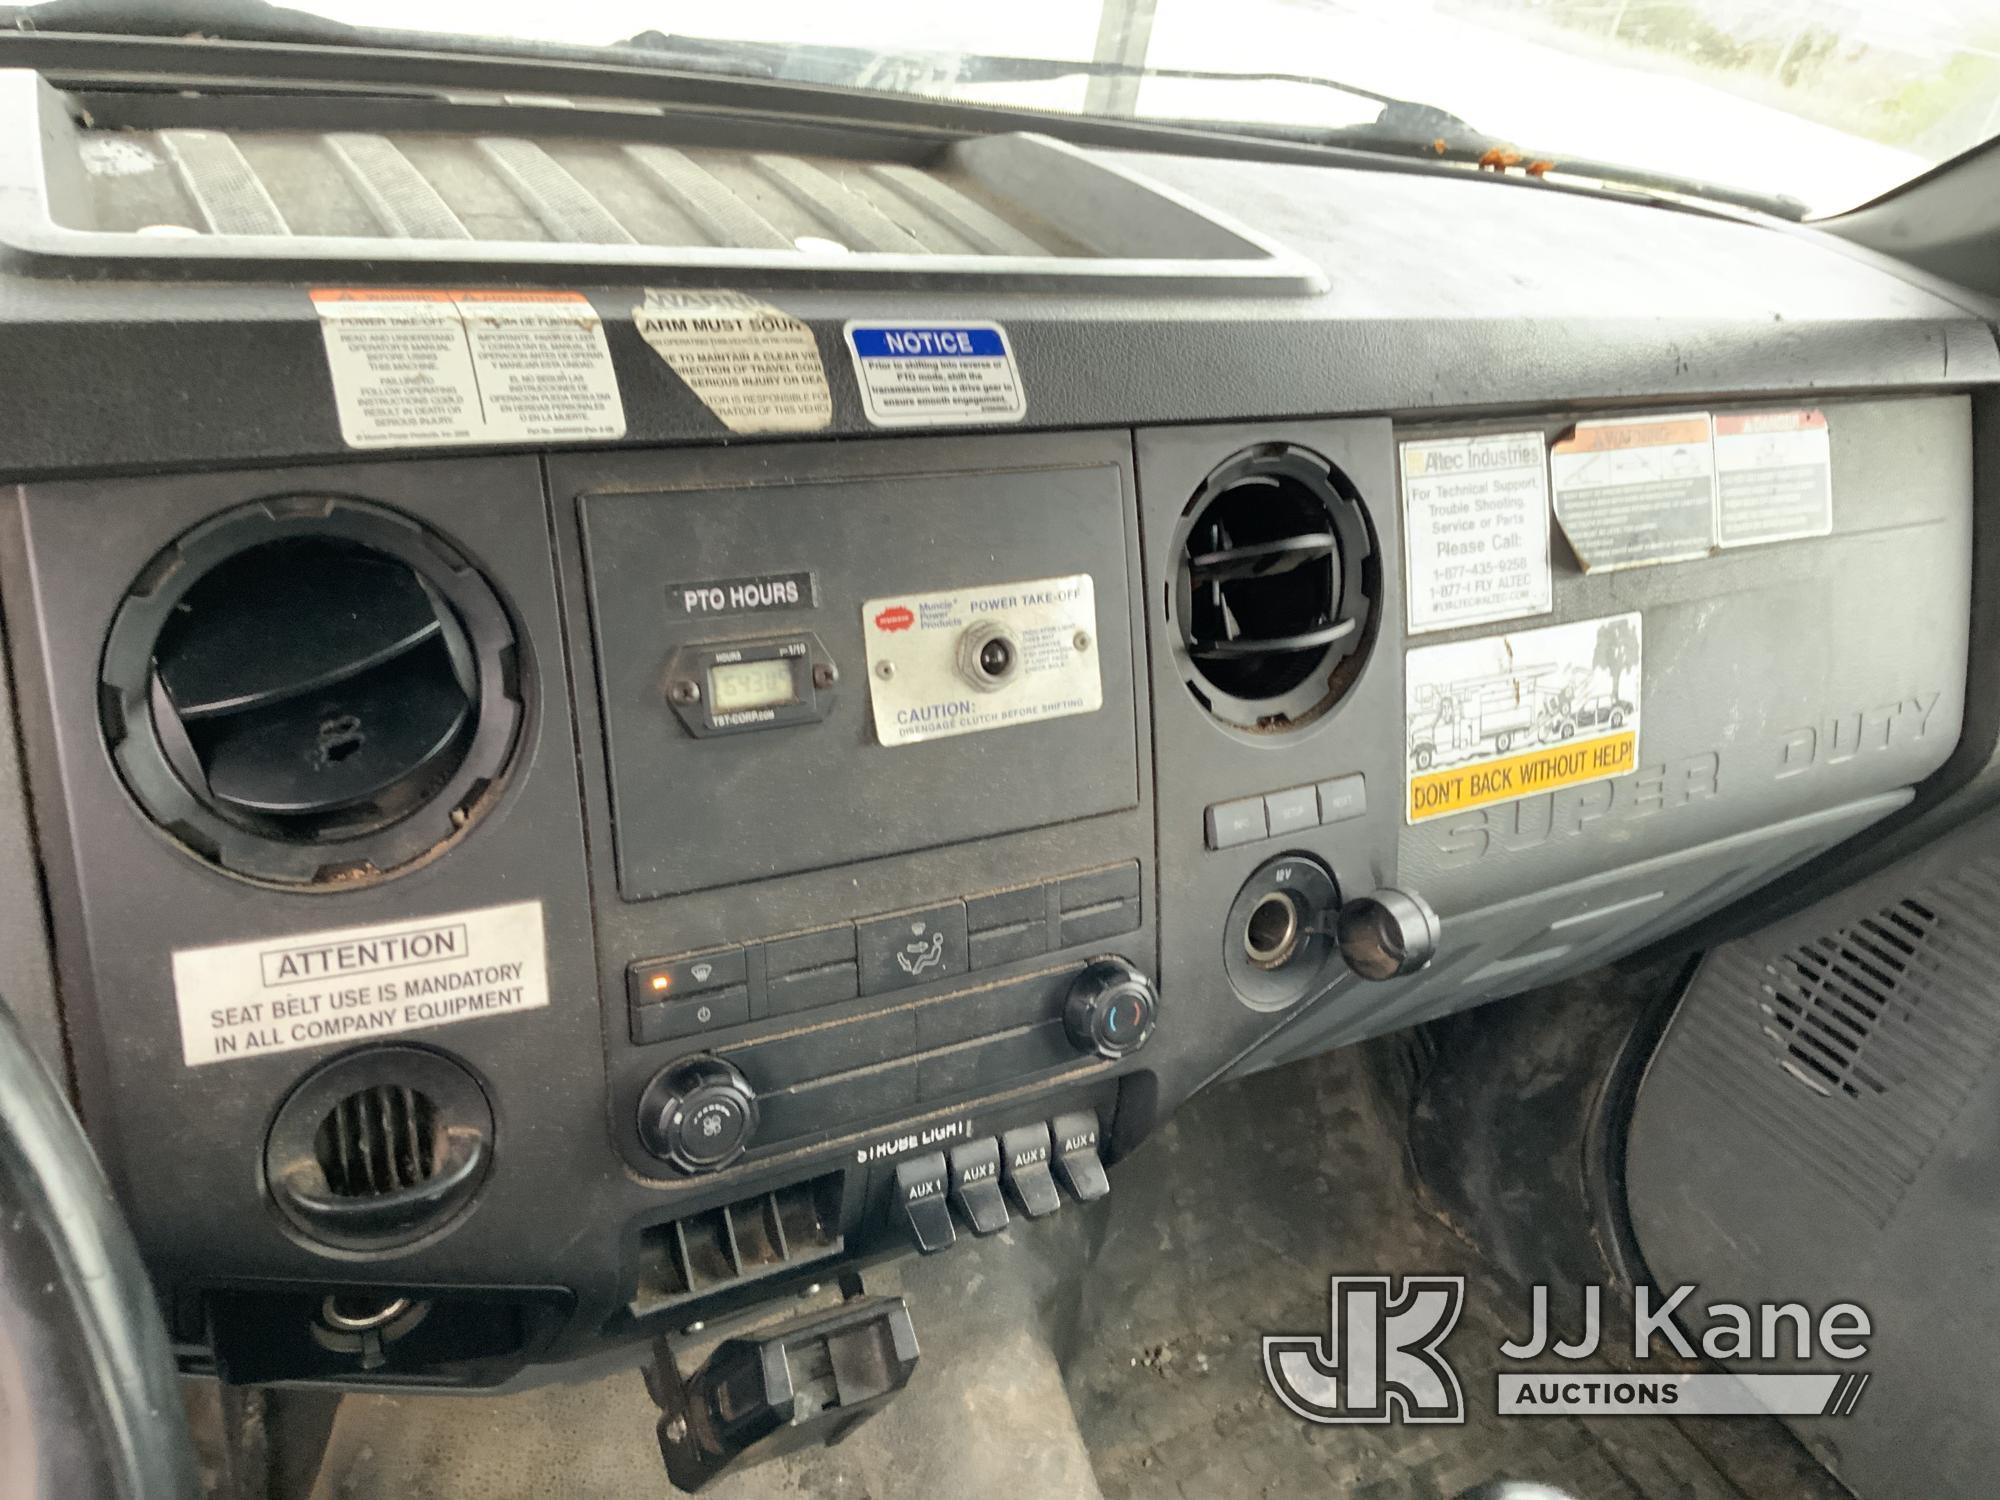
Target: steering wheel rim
(88,1399)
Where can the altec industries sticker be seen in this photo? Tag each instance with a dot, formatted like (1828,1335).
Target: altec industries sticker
(944,374)
(415,368)
(1511,716)
(931,658)
(1476,527)
(350,984)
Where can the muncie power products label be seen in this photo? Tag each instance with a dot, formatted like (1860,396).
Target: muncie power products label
(352,983)
(1511,716)
(754,365)
(935,374)
(1476,529)
(965,660)
(416,368)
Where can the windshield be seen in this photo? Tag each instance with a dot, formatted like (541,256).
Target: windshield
(1830,102)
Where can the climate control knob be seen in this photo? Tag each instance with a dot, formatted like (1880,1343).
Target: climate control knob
(1111,1009)
(698,1113)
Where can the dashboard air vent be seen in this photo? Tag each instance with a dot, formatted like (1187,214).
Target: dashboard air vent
(1275,587)
(379,1140)
(311,691)
(379,1148)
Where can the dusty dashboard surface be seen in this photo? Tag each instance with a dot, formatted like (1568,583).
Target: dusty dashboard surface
(587,796)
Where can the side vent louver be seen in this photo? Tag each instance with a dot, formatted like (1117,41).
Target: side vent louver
(738,1243)
(1855,1049)
(1275,587)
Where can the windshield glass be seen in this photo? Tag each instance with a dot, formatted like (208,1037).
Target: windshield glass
(1830,102)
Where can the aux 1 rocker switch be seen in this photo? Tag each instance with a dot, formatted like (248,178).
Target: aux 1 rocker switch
(920,1189)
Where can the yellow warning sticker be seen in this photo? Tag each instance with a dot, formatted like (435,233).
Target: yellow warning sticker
(1546,769)
(1510,716)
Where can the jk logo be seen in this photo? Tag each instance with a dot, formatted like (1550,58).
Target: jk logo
(1379,1361)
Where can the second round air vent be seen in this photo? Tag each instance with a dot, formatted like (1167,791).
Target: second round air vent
(1274,590)
(379,1148)
(311,690)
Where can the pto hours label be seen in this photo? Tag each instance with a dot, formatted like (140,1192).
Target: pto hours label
(1476,525)
(324,988)
(1510,716)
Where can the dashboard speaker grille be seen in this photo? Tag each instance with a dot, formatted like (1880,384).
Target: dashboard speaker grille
(1854,1049)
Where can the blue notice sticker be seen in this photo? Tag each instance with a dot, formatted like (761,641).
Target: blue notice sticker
(939,374)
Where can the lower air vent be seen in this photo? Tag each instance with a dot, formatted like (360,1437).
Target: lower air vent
(379,1148)
(1275,588)
(381,1140)
(310,691)
(738,1243)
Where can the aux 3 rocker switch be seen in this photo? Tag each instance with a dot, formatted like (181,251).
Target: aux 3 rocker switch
(1024,1167)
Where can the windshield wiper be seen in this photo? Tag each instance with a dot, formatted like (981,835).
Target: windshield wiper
(1403,127)
(925,71)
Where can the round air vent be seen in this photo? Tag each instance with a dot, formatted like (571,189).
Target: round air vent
(379,1148)
(1275,588)
(310,691)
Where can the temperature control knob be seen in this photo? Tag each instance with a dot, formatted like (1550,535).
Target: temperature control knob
(698,1113)
(1111,1009)
(1387,934)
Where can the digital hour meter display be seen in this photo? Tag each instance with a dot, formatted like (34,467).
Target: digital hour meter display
(739,685)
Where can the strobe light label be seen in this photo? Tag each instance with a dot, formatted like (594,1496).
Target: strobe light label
(350,984)
(965,660)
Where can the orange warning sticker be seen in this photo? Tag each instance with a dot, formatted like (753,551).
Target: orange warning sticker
(420,367)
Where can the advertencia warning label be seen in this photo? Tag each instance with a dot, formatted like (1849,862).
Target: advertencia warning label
(416,368)
(346,985)
(1476,529)
(1773,477)
(1513,715)
(754,365)
(965,660)
(1635,491)
(935,374)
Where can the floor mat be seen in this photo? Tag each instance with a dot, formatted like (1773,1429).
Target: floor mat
(1148,1308)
